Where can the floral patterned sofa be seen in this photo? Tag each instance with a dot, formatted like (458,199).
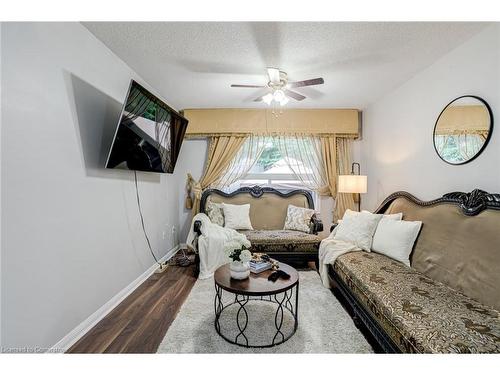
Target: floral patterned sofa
(268,210)
(448,301)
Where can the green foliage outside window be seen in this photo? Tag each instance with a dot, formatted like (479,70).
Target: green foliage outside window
(150,112)
(272,153)
(269,156)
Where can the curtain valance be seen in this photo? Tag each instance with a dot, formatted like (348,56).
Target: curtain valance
(464,119)
(220,121)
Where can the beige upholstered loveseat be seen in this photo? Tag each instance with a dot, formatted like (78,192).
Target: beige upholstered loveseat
(449,300)
(268,210)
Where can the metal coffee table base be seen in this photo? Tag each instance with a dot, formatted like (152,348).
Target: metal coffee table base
(284,300)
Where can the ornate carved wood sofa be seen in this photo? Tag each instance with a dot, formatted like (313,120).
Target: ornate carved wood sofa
(268,210)
(448,301)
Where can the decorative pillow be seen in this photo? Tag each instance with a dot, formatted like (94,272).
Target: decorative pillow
(349,212)
(298,218)
(398,216)
(358,229)
(237,216)
(395,239)
(215,213)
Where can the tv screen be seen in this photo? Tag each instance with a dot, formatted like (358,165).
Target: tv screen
(149,134)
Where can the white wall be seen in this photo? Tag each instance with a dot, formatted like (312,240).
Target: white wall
(397,148)
(71,232)
(192,160)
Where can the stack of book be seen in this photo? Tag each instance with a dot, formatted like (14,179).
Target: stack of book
(258,266)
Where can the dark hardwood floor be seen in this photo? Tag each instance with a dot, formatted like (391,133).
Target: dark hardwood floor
(139,323)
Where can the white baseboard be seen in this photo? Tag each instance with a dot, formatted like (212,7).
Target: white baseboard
(77,333)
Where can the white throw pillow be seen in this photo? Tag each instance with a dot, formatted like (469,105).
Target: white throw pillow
(298,218)
(349,212)
(358,229)
(398,216)
(395,239)
(237,216)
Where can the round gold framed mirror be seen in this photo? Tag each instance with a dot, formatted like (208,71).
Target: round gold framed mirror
(463,129)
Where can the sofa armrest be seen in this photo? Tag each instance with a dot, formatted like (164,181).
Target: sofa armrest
(197,227)
(316,225)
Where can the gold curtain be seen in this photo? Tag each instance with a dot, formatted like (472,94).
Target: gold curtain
(329,161)
(221,152)
(343,201)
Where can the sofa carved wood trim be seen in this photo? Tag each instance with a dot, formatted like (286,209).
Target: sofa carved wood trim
(471,203)
(256,192)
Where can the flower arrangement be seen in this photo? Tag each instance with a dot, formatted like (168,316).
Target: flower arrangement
(237,252)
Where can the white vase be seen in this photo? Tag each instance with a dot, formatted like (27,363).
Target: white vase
(239,270)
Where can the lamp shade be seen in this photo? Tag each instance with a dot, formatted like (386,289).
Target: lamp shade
(351,183)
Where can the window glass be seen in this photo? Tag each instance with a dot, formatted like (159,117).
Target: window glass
(272,170)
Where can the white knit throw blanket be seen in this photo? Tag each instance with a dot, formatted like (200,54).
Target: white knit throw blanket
(211,244)
(329,250)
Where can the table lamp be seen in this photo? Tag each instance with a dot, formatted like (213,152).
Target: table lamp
(353,183)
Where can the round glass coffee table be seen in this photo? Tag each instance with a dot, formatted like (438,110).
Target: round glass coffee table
(256,289)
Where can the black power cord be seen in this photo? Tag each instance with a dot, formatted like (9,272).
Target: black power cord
(142,220)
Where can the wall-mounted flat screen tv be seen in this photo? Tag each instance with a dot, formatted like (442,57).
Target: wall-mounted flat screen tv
(149,135)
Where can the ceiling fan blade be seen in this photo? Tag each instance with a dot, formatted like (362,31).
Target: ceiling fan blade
(249,86)
(274,75)
(307,82)
(294,95)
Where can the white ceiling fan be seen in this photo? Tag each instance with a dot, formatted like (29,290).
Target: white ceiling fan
(280,87)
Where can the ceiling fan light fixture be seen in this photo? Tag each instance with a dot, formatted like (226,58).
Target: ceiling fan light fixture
(268,98)
(284,101)
(279,88)
(279,95)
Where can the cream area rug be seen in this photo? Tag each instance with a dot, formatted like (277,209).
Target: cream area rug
(324,326)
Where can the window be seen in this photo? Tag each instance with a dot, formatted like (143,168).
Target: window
(272,170)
